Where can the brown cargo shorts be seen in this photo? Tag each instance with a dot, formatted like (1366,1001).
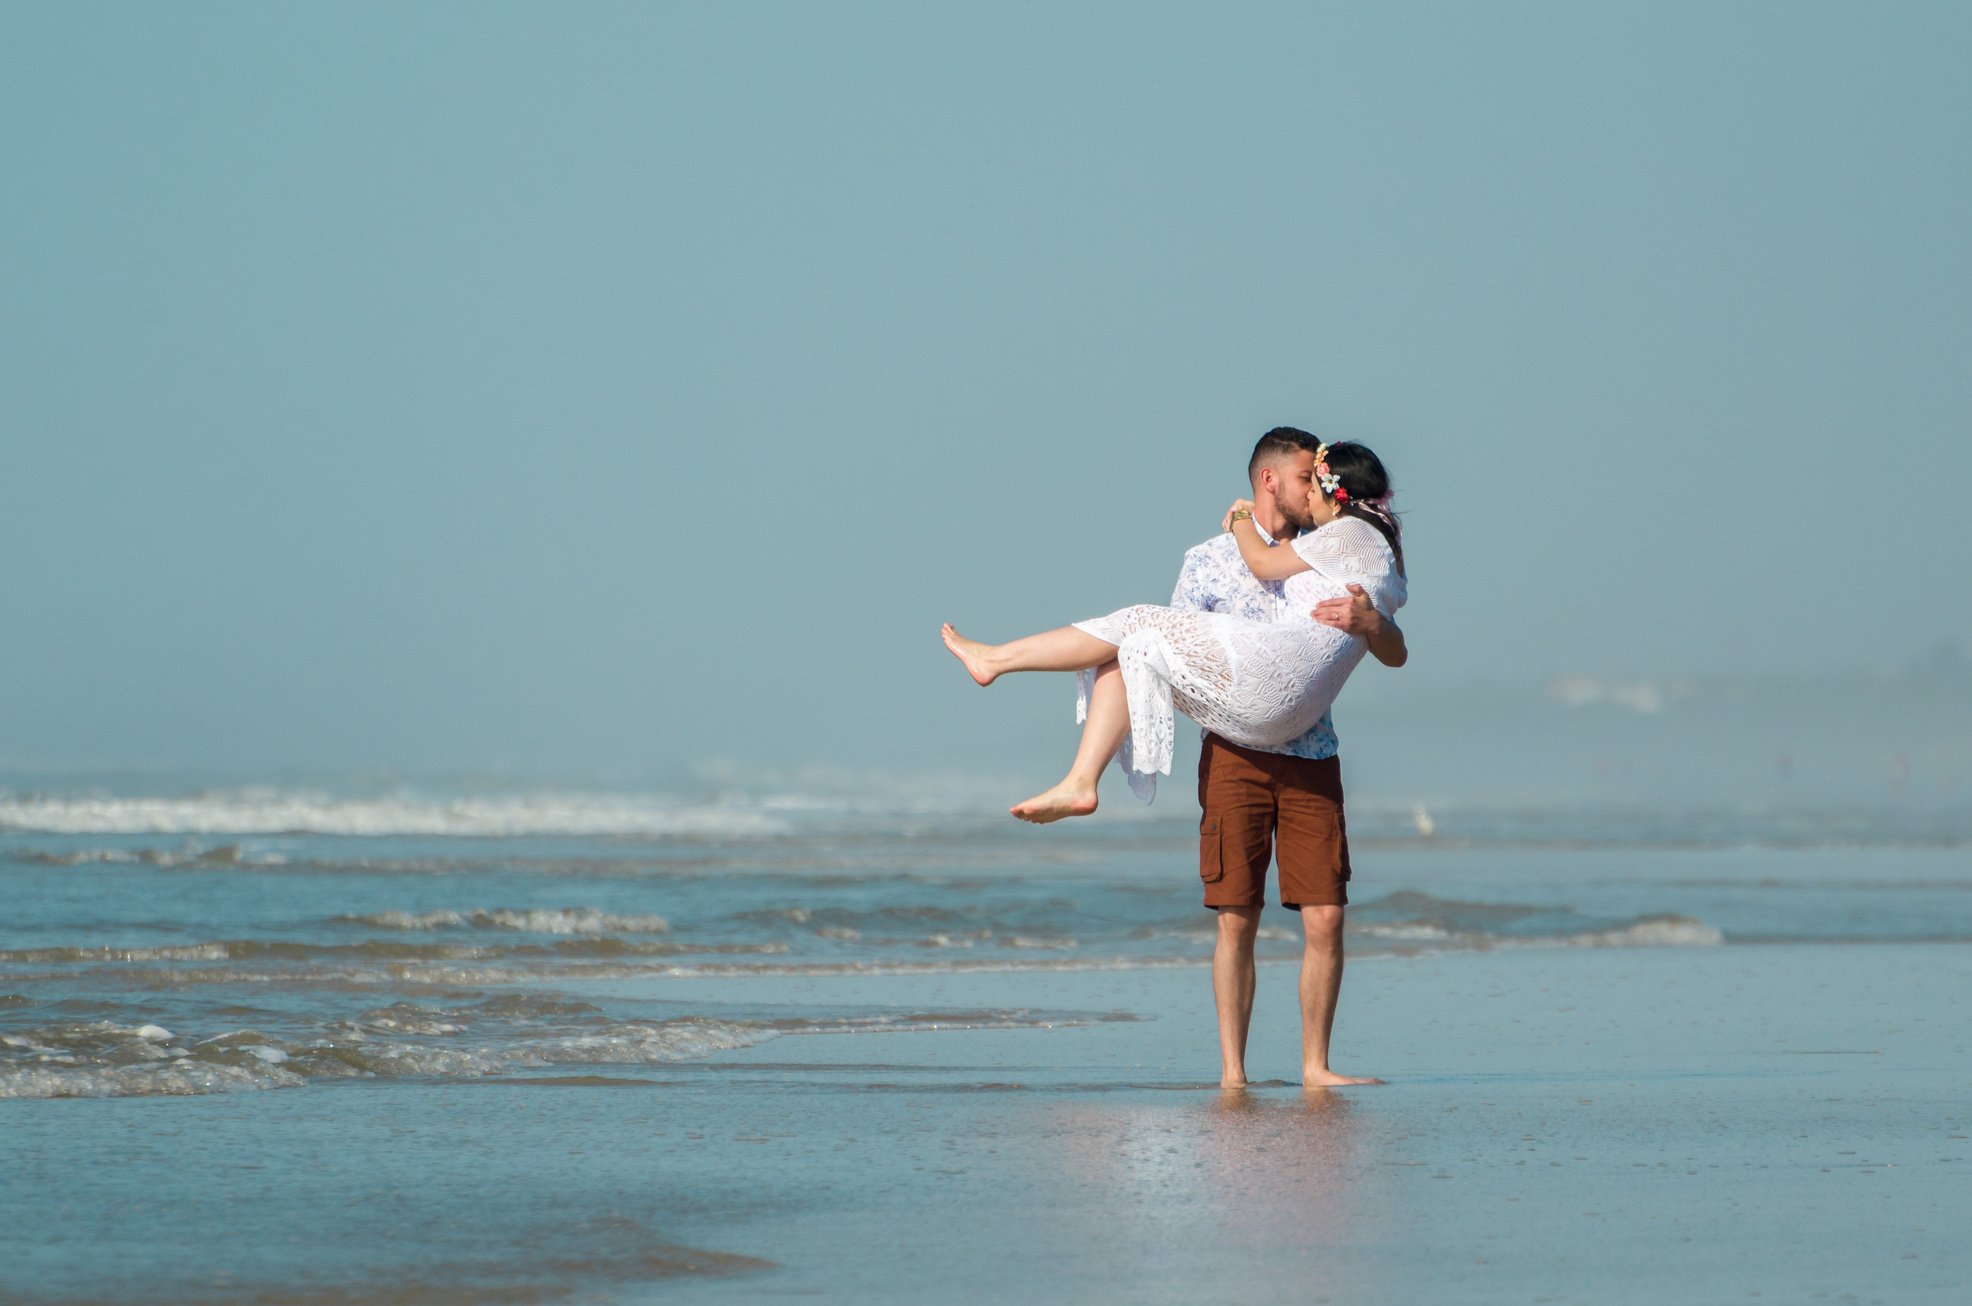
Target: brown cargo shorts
(1254,803)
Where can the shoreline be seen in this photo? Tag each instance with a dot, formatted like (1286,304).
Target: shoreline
(1788,1121)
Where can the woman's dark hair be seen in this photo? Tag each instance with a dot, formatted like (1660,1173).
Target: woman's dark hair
(1368,487)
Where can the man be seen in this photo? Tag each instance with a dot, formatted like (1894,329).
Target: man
(1290,797)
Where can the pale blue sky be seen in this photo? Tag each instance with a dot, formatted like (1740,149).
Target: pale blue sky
(593,388)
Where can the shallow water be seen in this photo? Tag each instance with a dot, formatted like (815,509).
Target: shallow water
(392,937)
(1762,1125)
(273,1046)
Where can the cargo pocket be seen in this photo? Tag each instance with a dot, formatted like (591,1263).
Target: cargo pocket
(1342,844)
(1211,856)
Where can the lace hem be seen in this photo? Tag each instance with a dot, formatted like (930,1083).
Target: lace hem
(1142,783)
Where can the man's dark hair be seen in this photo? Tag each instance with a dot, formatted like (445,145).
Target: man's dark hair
(1281,442)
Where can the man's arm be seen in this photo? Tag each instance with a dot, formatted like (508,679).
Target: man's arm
(1356,615)
(1189,594)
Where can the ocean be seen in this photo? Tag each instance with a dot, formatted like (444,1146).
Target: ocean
(262,939)
(294,945)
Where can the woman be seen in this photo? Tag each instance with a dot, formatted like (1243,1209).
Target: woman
(1257,684)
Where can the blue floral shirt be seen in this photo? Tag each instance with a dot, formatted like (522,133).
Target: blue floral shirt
(1215,579)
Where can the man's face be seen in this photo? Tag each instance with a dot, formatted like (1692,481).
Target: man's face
(1294,481)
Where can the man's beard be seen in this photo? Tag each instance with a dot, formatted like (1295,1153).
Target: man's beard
(1300,519)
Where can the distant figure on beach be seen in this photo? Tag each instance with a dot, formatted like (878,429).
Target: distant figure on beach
(1258,787)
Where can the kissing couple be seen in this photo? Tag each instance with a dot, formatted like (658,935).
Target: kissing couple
(1262,674)
(1266,623)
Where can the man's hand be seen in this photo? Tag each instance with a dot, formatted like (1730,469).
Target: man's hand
(1239,505)
(1355,615)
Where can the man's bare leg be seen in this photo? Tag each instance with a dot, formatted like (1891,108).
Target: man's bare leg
(1061,649)
(1321,984)
(1232,988)
(1102,734)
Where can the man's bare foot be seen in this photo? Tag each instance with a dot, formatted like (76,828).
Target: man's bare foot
(969,651)
(1329,1079)
(1233,1079)
(1063,800)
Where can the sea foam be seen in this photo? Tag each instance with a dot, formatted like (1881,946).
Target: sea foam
(104,1059)
(277,811)
(567,920)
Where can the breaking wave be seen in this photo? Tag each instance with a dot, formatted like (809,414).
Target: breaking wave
(276,811)
(378,950)
(102,1058)
(567,920)
(1409,919)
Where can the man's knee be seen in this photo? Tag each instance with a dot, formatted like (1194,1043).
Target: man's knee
(1322,925)
(1239,925)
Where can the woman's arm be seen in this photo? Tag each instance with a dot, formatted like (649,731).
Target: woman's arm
(1265,563)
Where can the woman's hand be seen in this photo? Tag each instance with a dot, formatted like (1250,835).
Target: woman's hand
(1239,505)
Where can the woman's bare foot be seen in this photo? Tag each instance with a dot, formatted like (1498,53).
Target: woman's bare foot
(1065,799)
(969,651)
(1329,1079)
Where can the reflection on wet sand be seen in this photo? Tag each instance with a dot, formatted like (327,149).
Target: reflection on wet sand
(1232,1169)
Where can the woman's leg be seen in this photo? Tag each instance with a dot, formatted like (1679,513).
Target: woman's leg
(1102,734)
(1062,649)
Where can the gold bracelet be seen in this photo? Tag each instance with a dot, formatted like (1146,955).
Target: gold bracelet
(1242,515)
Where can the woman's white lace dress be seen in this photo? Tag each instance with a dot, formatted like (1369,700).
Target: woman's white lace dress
(1259,684)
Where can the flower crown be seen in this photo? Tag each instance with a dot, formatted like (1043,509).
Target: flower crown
(1330,482)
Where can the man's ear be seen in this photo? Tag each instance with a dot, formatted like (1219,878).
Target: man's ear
(1268,480)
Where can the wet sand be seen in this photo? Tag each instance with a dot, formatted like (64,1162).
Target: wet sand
(1567,1125)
